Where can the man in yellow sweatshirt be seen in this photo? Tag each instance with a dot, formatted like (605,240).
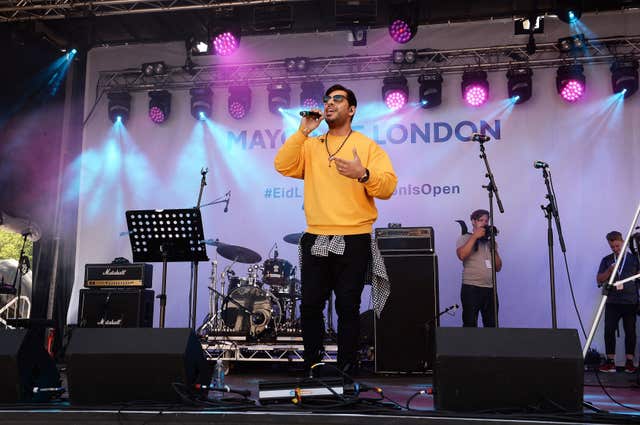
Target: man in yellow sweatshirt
(343,171)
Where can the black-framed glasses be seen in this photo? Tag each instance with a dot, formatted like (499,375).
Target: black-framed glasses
(335,97)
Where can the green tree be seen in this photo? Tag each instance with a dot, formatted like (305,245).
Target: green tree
(10,244)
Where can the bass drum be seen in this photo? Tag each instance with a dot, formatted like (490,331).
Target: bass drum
(251,310)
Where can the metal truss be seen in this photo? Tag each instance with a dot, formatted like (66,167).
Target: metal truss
(341,68)
(228,350)
(28,10)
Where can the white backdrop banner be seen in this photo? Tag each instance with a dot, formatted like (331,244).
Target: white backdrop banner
(592,147)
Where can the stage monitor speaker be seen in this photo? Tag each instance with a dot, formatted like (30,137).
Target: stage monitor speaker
(24,365)
(494,369)
(115,308)
(403,344)
(106,366)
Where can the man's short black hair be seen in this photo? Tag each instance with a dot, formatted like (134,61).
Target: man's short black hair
(614,236)
(478,213)
(351,97)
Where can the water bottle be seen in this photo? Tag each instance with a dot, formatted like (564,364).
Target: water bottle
(218,376)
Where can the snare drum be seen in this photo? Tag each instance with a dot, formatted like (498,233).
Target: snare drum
(277,272)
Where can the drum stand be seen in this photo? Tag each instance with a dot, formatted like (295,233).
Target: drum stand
(211,321)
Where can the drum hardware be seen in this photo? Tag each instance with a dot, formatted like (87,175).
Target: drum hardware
(211,321)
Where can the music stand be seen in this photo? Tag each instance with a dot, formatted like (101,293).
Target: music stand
(162,236)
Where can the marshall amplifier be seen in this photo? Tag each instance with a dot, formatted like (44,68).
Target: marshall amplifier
(133,275)
(116,308)
(399,240)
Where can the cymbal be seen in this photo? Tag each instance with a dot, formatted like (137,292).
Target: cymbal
(238,254)
(214,242)
(293,238)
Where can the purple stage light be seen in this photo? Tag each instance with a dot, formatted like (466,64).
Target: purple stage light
(476,95)
(156,115)
(237,110)
(310,103)
(395,99)
(400,31)
(572,90)
(225,44)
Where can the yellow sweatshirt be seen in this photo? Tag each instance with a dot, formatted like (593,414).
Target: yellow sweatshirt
(335,204)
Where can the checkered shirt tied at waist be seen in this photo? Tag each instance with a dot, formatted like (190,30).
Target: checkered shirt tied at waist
(376,272)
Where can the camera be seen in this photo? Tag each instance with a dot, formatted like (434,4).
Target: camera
(489,231)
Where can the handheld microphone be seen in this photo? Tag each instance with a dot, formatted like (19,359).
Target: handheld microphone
(477,137)
(310,114)
(540,164)
(226,205)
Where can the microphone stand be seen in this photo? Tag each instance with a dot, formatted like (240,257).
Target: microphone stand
(194,265)
(19,272)
(551,210)
(492,189)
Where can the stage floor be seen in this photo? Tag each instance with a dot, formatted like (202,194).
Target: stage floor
(397,390)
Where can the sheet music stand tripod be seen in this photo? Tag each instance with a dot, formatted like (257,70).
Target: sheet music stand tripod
(162,236)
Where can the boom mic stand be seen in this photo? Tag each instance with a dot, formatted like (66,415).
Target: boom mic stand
(610,284)
(194,264)
(492,189)
(551,210)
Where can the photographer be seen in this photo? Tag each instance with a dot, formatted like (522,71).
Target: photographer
(621,303)
(477,288)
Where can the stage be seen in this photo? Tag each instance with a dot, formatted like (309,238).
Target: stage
(397,391)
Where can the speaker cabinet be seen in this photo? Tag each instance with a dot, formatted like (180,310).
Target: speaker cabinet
(488,368)
(403,341)
(115,308)
(131,364)
(24,364)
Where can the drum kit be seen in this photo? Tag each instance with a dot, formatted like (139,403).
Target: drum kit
(261,304)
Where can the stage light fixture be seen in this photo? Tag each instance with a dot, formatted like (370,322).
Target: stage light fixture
(225,39)
(119,106)
(279,96)
(475,87)
(530,25)
(401,30)
(405,56)
(311,94)
(159,106)
(570,82)
(624,76)
(198,46)
(395,92)
(151,69)
(403,24)
(569,11)
(430,89)
(201,102)
(357,36)
(519,84)
(574,43)
(296,64)
(239,102)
